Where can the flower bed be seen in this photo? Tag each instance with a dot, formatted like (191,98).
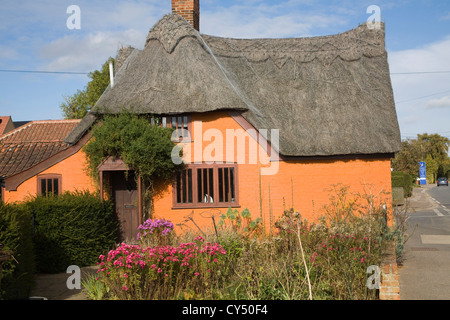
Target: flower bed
(162,272)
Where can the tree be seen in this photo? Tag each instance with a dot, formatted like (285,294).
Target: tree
(431,148)
(77,105)
(432,168)
(435,145)
(407,160)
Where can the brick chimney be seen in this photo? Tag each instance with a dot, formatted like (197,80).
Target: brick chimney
(188,9)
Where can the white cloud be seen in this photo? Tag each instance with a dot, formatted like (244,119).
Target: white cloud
(88,52)
(421,96)
(248,20)
(442,103)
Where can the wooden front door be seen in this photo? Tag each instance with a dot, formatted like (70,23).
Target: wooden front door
(125,193)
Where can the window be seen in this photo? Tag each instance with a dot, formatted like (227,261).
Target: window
(179,123)
(184,187)
(49,184)
(206,186)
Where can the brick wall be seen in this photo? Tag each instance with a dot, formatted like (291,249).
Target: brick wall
(188,9)
(389,287)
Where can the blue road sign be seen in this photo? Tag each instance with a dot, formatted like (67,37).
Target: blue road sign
(422,173)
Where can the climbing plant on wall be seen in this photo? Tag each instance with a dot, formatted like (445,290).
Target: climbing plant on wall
(145,148)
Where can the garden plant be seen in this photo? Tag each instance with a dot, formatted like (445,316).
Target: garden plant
(324,259)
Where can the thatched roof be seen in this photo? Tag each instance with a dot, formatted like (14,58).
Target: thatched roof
(328,95)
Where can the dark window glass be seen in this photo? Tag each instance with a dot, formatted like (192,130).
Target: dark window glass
(55,187)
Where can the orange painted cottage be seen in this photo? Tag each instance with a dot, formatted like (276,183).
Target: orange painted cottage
(265,124)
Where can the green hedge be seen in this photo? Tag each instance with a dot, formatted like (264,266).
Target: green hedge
(18,274)
(404,180)
(72,229)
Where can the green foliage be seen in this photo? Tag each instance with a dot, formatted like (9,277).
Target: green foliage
(402,180)
(94,289)
(431,148)
(71,229)
(327,259)
(407,160)
(15,235)
(241,222)
(77,105)
(144,148)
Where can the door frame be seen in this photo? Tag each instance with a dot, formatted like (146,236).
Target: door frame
(117,164)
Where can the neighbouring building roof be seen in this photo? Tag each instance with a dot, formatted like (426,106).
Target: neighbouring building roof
(6,124)
(329,95)
(32,143)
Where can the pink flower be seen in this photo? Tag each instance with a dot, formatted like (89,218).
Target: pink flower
(125,275)
(124,288)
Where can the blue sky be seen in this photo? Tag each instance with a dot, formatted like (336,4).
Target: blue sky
(34,36)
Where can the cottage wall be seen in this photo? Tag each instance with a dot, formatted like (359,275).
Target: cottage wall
(74,177)
(302,184)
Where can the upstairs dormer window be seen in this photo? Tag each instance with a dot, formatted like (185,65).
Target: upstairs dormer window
(181,123)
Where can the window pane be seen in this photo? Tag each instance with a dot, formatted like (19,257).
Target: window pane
(49,186)
(220,185)
(164,122)
(185,125)
(211,184)
(184,186)
(189,185)
(178,187)
(233,198)
(179,127)
(199,186)
(227,187)
(55,187)
(174,122)
(205,186)
(43,187)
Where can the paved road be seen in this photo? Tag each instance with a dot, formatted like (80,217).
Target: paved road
(425,274)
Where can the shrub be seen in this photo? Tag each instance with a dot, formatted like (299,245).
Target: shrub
(327,259)
(72,229)
(403,180)
(15,234)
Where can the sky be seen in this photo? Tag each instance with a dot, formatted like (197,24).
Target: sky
(39,36)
